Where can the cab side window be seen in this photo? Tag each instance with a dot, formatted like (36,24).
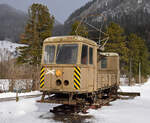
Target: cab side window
(84,55)
(104,62)
(49,54)
(90,55)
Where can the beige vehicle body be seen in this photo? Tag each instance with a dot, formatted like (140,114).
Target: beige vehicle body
(88,70)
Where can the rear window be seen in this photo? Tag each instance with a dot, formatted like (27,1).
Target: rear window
(104,62)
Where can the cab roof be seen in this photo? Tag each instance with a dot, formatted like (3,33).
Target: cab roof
(69,39)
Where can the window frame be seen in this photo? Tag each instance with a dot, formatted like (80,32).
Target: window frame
(90,56)
(87,63)
(55,47)
(101,63)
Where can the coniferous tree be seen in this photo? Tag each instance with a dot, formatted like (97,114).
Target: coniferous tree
(117,44)
(79,29)
(138,54)
(38,28)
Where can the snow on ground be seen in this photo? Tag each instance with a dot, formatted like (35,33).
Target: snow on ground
(126,111)
(24,111)
(124,81)
(13,94)
(120,111)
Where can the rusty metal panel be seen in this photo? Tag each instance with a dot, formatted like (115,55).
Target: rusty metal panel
(84,79)
(68,75)
(108,76)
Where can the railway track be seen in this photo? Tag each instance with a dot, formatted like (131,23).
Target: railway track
(20,97)
(71,109)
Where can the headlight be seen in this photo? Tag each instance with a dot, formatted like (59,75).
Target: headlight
(66,82)
(58,82)
(58,73)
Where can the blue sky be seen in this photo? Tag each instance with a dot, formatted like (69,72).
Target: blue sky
(61,9)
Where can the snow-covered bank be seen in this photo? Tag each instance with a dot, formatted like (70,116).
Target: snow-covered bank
(9,45)
(8,50)
(120,111)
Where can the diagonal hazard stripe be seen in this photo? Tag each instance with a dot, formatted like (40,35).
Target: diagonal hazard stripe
(42,67)
(77,73)
(42,85)
(42,80)
(42,75)
(78,69)
(42,70)
(77,83)
(78,77)
(77,80)
(76,86)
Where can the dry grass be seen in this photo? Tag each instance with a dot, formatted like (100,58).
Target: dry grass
(12,71)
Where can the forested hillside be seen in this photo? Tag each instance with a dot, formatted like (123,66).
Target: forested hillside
(12,22)
(132,15)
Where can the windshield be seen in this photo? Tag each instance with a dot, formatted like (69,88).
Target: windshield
(67,54)
(49,54)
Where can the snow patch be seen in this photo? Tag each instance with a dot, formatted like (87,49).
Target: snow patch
(8,50)
(13,94)
(4,84)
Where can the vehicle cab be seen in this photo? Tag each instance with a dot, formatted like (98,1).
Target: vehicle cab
(69,64)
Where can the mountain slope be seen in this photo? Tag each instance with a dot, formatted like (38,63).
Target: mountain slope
(132,15)
(12,22)
(113,8)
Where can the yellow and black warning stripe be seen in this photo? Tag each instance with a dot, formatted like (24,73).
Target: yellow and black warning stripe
(42,77)
(77,78)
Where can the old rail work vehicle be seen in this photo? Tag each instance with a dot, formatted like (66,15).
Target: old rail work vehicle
(75,72)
